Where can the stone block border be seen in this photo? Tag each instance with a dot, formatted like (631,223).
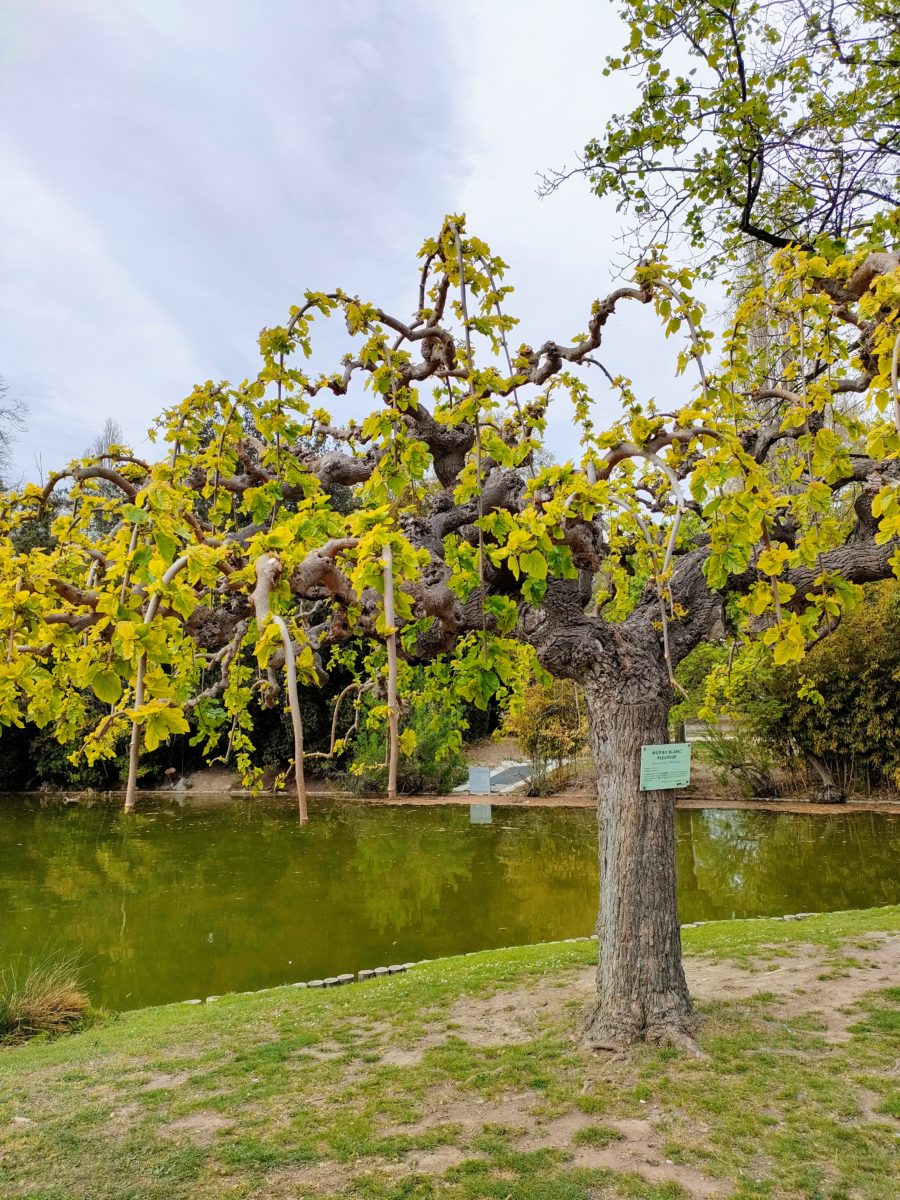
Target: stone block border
(399,968)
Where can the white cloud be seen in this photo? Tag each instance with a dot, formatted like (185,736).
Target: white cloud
(79,325)
(178,174)
(533,96)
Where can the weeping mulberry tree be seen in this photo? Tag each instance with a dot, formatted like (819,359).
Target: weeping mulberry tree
(230,569)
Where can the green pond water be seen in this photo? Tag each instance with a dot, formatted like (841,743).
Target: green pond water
(181,902)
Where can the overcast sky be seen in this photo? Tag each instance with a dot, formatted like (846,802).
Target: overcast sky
(174,174)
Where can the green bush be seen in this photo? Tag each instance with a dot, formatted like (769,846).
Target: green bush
(838,706)
(841,703)
(740,756)
(435,763)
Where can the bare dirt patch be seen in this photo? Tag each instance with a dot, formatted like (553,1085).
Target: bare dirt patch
(639,1149)
(164,1081)
(804,982)
(200,1127)
(121,1120)
(636,1147)
(317,1178)
(324,1051)
(502,1019)
(450,1106)
(507,1018)
(490,752)
(411,1056)
(434,1162)
(335,1179)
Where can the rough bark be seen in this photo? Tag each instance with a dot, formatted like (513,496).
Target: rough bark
(642,994)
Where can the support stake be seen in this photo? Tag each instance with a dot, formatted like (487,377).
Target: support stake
(393,712)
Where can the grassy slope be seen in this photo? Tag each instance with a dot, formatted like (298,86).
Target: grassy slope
(246,1096)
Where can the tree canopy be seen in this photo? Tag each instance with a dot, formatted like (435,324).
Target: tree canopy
(779,122)
(776,492)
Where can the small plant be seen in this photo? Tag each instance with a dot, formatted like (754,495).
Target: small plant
(40,995)
(597,1136)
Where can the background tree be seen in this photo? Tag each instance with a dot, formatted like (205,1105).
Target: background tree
(12,421)
(109,438)
(548,721)
(777,122)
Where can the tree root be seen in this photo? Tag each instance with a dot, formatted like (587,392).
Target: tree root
(679,1040)
(616,1036)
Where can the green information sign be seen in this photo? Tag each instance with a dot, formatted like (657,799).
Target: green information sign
(665,767)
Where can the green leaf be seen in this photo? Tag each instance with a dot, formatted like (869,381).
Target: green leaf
(534,564)
(166,545)
(107,686)
(135,515)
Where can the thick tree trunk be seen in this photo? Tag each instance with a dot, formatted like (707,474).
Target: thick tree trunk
(641,990)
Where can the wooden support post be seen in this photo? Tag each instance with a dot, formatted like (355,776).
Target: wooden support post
(290,667)
(393,712)
(134,749)
(268,569)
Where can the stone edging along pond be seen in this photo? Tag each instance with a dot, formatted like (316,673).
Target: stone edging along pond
(398,968)
(582,800)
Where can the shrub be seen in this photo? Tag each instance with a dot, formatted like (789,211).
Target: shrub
(833,716)
(740,755)
(430,759)
(551,726)
(841,705)
(40,995)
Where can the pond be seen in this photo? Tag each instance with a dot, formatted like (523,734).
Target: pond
(181,902)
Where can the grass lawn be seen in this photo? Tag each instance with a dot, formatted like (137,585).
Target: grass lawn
(462,1079)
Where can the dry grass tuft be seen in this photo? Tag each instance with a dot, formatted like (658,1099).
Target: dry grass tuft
(40,995)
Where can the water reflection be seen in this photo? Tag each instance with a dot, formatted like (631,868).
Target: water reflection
(191,901)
